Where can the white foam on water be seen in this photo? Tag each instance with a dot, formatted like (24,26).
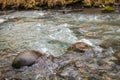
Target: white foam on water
(2,20)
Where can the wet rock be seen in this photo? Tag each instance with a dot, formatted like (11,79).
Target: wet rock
(92,35)
(26,58)
(108,9)
(71,78)
(92,78)
(15,79)
(110,43)
(79,47)
(72,66)
(70,10)
(117,55)
(78,30)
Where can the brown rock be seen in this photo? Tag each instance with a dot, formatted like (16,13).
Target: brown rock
(117,55)
(110,43)
(79,47)
(26,58)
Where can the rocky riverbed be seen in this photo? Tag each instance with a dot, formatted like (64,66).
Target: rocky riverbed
(92,64)
(53,33)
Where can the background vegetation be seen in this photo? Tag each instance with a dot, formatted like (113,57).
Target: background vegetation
(36,4)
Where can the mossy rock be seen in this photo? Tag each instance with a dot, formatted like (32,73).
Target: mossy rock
(108,9)
(87,5)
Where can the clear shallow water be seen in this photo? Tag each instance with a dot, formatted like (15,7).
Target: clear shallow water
(52,33)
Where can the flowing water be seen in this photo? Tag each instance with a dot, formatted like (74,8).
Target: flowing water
(53,32)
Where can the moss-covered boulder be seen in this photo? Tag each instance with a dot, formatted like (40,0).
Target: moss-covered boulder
(108,9)
(87,5)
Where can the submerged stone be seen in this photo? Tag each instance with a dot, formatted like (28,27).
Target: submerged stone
(26,58)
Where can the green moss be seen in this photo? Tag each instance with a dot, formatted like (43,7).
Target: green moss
(108,9)
(36,8)
(87,5)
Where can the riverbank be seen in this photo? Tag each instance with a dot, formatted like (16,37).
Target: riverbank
(61,6)
(55,4)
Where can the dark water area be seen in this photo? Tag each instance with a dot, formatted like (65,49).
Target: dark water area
(52,32)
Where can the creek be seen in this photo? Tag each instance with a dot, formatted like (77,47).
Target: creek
(53,32)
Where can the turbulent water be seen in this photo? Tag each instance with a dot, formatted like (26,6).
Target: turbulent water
(52,32)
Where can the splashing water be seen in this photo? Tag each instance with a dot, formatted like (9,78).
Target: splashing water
(52,33)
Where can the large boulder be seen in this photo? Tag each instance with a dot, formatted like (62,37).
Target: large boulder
(26,58)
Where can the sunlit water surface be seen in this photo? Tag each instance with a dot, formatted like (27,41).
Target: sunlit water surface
(52,32)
